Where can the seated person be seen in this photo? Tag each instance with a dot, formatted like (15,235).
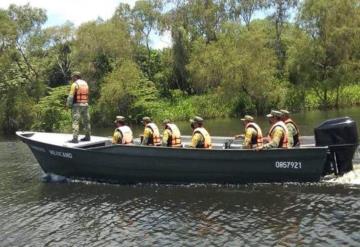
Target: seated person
(171,135)
(278,133)
(200,137)
(151,135)
(253,135)
(122,133)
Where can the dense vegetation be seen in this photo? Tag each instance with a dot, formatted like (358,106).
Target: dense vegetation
(222,61)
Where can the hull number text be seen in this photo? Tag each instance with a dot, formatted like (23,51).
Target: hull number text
(288,165)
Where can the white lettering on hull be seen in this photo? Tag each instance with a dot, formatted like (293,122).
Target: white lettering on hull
(61,154)
(288,165)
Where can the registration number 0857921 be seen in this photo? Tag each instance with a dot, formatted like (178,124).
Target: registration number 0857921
(288,164)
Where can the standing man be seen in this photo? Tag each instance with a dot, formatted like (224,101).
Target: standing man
(253,135)
(200,137)
(151,133)
(294,133)
(122,133)
(171,135)
(278,133)
(78,100)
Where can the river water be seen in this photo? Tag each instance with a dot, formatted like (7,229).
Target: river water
(35,213)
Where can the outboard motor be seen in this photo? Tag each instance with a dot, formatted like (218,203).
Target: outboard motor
(340,135)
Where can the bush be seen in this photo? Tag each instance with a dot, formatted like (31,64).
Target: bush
(50,112)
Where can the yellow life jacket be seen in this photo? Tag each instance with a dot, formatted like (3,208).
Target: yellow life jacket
(206,136)
(297,135)
(81,92)
(175,140)
(127,135)
(155,140)
(284,142)
(258,140)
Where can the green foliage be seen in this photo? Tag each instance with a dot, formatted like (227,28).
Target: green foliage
(221,62)
(50,112)
(125,91)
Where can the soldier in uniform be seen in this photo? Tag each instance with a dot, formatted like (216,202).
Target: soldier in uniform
(151,135)
(278,133)
(200,137)
(253,135)
(294,133)
(122,133)
(78,100)
(171,135)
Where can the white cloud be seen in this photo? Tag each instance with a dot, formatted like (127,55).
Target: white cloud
(80,11)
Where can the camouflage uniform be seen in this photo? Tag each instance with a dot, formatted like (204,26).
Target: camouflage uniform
(277,136)
(79,111)
(250,133)
(292,132)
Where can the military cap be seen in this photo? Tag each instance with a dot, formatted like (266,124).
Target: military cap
(146,119)
(285,112)
(166,121)
(119,119)
(198,119)
(76,73)
(274,113)
(247,118)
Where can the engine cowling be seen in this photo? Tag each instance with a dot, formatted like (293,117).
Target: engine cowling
(341,136)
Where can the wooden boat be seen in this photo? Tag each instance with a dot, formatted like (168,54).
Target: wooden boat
(99,160)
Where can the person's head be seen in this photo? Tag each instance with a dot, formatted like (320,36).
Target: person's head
(119,121)
(285,114)
(197,122)
(274,116)
(247,119)
(75,75)
(146,120)
(166,122)
(192,125)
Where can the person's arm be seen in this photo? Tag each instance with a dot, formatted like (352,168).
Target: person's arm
(248,136)
(291,132)
(165,137)
(196,139)
(274,143)
(147,134)
(70,98)
(117,137)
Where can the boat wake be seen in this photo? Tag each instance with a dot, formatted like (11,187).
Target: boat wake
(351,178)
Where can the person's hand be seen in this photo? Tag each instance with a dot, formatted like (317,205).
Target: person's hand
(259,148)
(239,136)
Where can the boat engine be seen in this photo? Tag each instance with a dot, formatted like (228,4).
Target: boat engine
(340,135)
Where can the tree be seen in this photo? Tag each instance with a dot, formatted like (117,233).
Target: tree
(330,58)
(245,9)
(280,18)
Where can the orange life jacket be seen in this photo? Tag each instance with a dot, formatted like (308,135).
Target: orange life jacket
(155,140)
(175,140)
(256,141)
(297,136)
(81,92)
(206,136)
(127,135)
(284,142)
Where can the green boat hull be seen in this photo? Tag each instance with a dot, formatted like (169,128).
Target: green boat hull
(141,164)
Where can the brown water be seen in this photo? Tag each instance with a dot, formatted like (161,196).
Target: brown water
(34,213)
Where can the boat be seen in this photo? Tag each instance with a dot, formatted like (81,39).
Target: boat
(330,151)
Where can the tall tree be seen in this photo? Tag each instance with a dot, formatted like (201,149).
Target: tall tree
(330,59)
(245,9)
(280,17)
